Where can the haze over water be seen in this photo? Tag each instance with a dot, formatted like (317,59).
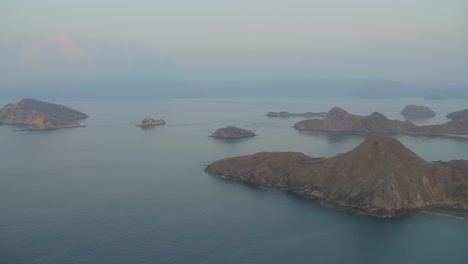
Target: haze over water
(114,193)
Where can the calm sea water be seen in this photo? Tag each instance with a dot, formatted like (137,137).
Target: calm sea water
(114,193)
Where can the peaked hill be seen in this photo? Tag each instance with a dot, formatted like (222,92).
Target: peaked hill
(379,177)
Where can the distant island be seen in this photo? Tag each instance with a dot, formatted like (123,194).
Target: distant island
(417,111)
(149,122)
(232,132)
(463,114)
(445,95)
(287,114)
(39,115)
(380,177)
(338,119)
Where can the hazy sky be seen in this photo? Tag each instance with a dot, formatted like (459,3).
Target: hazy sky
(421,41)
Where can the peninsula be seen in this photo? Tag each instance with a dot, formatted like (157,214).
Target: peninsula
(149,122)
(39,115)
(232,132)
(379,177)
(338,119)
(287,114)
(417,111)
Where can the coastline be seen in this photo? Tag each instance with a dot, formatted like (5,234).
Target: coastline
(367,132)
(335,205)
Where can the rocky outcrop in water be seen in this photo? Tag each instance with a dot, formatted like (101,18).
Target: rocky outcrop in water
(232,132)
(379,177)
(287,114)
(39,115)
(149,122)
(417,111)
(338,119)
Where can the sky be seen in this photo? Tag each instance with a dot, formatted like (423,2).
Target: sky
(416,41)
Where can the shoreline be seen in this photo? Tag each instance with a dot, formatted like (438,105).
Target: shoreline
(343,207)
(459,136)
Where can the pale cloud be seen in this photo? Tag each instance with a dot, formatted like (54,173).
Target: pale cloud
(70,46)
(69,57)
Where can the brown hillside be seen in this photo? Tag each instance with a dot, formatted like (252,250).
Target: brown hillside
(378,177)
(338,119)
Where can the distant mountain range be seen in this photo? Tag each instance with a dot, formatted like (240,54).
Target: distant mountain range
(136,88)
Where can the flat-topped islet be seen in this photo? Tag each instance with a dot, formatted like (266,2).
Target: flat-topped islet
(417,111)
(232,132)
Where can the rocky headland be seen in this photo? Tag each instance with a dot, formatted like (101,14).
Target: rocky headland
(338,119)
(463,114)
(417,111)
(287,114)
(149,122)
(379,177)
(232,132)
(39,115)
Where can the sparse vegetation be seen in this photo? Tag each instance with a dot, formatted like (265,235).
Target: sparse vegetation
(441,162)
(460,189)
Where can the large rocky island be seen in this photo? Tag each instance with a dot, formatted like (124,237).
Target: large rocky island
(380,177)
(39,115)
(284,114)
(232,132)
(417,111)
(338,119)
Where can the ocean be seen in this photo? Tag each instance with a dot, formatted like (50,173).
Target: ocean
(112,192)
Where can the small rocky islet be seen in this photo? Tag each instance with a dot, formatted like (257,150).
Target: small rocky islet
(379,177)
(417,111)
(232,132)
(150,122)
(39,115)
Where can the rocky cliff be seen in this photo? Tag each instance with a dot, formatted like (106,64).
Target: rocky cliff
(338,119)
(39,115)
(379,177)
(417,111)
(232,132)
